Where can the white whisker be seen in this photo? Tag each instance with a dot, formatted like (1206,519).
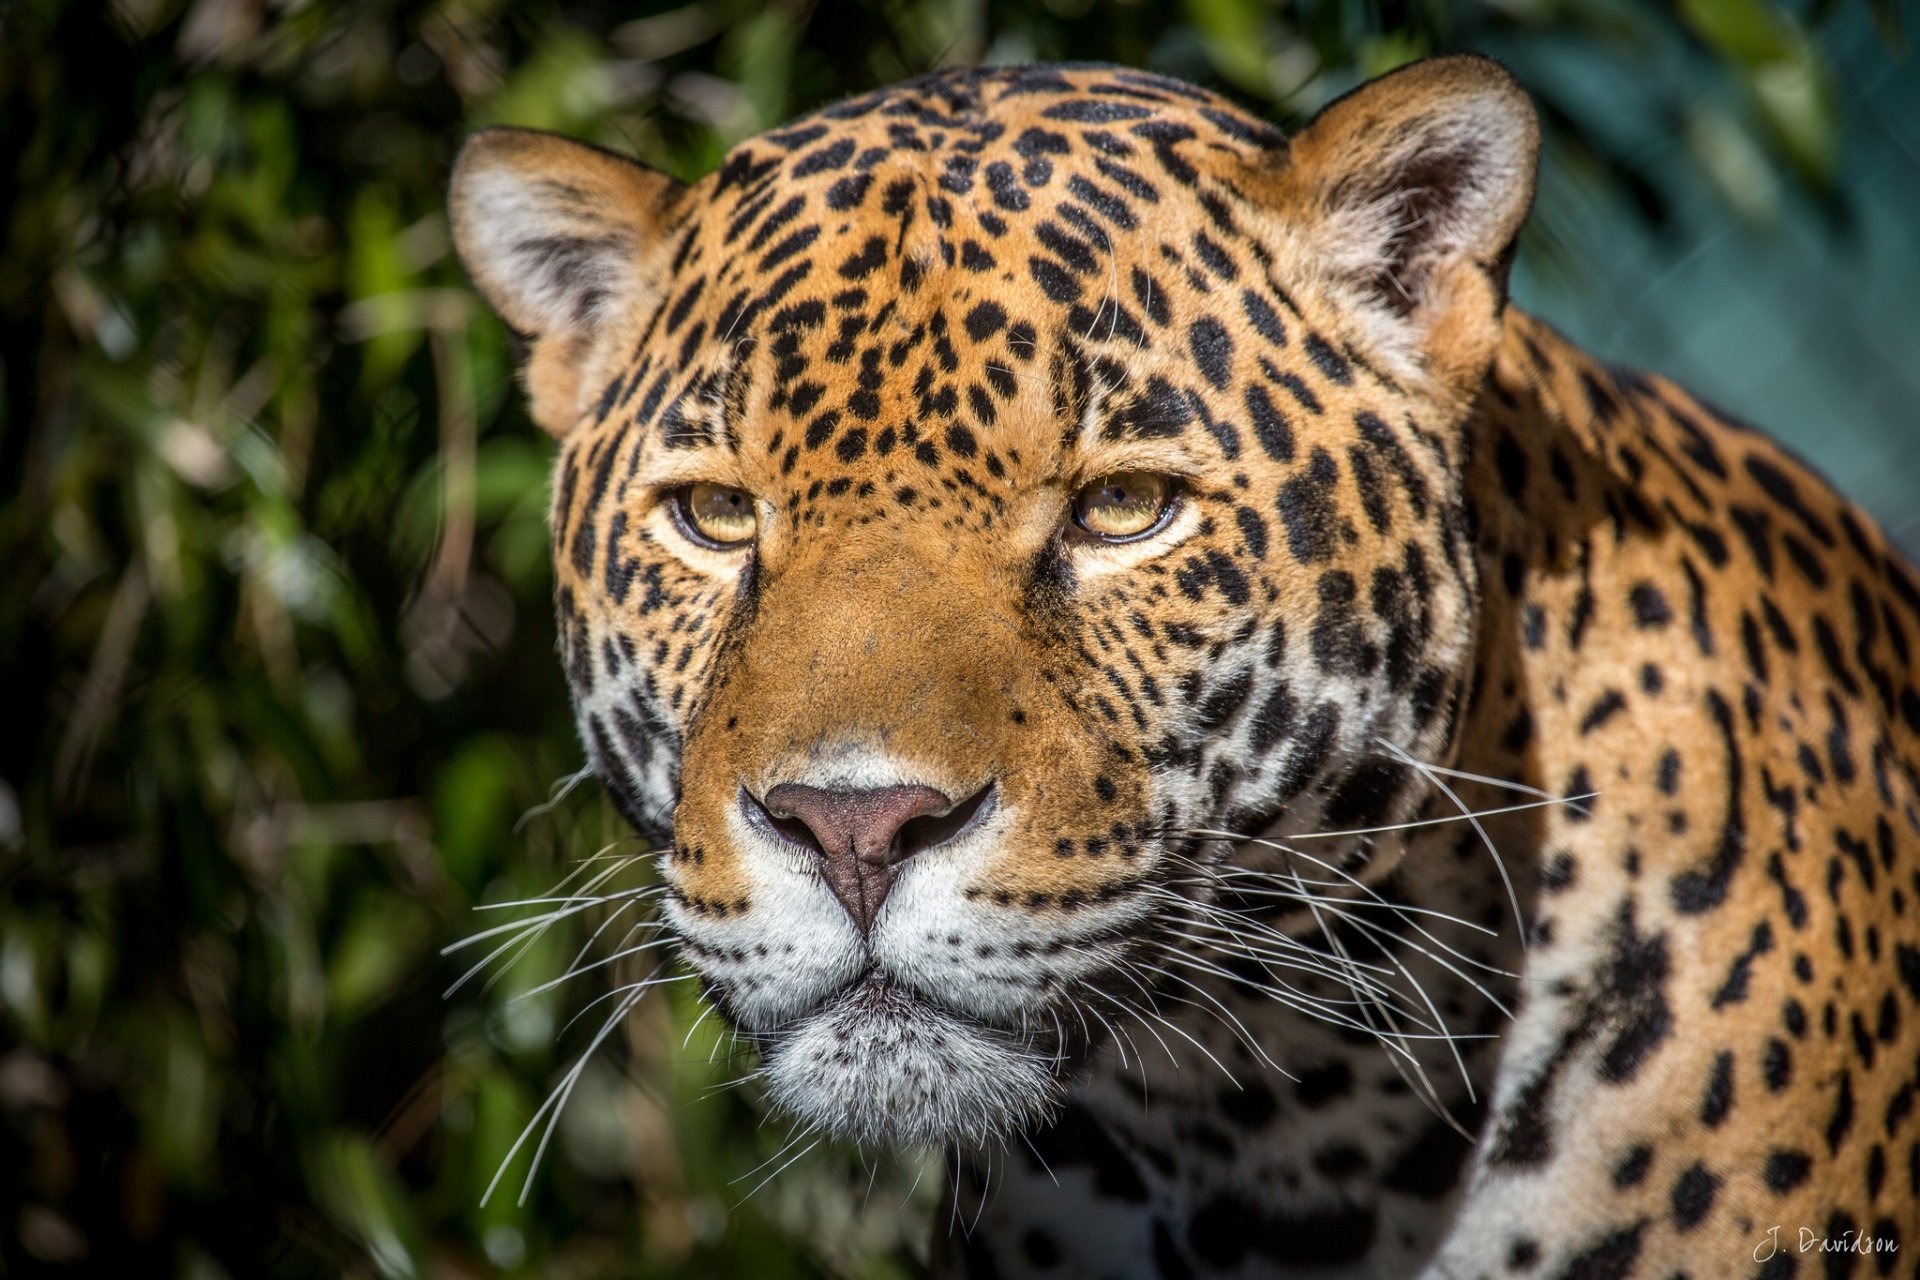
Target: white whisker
(559,792)
(1362,887)
(555,1102)
(606,960)
(1500,864)
(1444,820)
(642,986)
(798,1155)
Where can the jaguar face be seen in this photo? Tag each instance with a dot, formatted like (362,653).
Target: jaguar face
(975,498)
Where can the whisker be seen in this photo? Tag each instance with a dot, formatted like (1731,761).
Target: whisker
(986,1187)
(1382,935)
(1212,870)
(1086,1031)
(606,960)
(1127,1008)
(1037,1156)
(1216,911)
(1508,784)
(615,914)
(1224,1014)
(643,985)
(1355,975)
(544,901)
(1425,1086)
(1330,1011)
(554,797)
(953,1191)
(555,1102)
(794,1134)
(921,1173)
(1180,1031)
(605,853)
(706,1009)
(1059,1037)
(1429,1093)
(1117,1034)
(1348,974)
(1291,996)
(530,930)
(798,1155)
(1267,958)
(577,903)
(1513,896)
(1303,960)
(1291,895)
(1448,818)
(734,1083)
(1342,909)
(1364,888)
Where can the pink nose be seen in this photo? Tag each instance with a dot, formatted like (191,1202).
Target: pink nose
(858,835)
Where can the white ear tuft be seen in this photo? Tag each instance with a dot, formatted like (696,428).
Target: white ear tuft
(1409,193)
(562,239)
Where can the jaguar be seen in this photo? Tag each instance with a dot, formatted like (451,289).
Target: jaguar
(1150,675)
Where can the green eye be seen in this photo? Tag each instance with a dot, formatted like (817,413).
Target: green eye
(717,515)
(1124,505)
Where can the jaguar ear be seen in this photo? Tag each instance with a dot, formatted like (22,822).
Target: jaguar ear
(1408,194)
(567,243)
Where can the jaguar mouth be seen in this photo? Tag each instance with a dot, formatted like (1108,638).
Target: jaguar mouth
(883,997)
(878,1064)
(880,1000)
(880,994)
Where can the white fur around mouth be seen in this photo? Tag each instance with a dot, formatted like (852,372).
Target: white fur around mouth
(879,1065)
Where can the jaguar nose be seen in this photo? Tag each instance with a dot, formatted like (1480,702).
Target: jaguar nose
(863,835)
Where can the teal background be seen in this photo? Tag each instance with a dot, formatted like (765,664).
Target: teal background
(1799,316)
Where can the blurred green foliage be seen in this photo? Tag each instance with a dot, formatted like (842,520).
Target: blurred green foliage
(277,635)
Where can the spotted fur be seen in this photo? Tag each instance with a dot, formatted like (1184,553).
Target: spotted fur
(1417,531)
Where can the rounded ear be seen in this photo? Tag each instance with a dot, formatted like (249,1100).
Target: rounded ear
(564,241)
(1409,193)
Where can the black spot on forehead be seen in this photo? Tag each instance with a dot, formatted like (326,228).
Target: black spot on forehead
(963,110)
(851,263)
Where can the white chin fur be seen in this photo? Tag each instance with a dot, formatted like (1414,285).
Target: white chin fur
(881,1067)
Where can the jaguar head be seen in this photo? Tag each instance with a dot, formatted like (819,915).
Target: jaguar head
(978,498)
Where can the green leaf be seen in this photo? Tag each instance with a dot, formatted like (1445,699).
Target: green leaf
(365,1200)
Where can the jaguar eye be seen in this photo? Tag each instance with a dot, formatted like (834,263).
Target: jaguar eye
(1124,505)
(716,515)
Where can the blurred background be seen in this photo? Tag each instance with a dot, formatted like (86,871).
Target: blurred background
(276,629)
